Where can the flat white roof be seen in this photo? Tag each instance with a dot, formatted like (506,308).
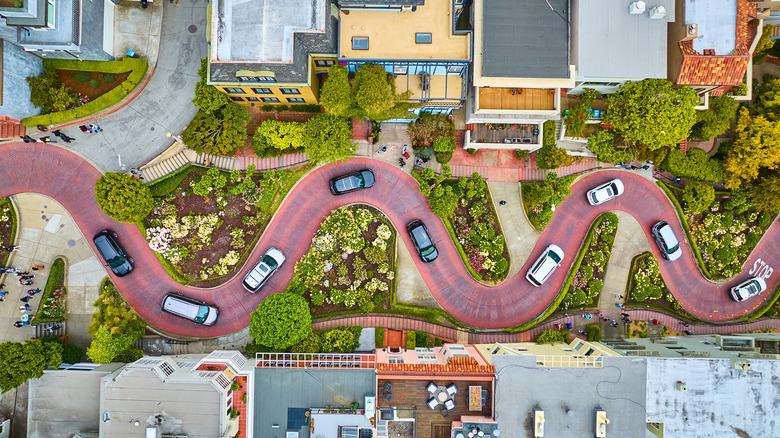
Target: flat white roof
(716,22)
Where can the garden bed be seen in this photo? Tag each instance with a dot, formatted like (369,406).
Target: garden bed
(205,225)
(350,264)
(8,226)
(91,83)
(647,288)
(52,305)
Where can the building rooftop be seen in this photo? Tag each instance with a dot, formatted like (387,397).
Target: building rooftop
(273,37)
(392,34)
(637,43)
(718,399)
(716,22)
(283,396)
(569,397)
(525,38)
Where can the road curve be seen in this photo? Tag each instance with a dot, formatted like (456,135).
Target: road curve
(64,176)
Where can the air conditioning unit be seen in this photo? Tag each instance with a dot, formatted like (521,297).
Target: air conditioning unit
(658,12)
(637,8)
(680,386)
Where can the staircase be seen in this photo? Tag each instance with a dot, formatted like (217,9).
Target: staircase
(272,163)
(164,167)
(219,161)
(381,429)
(157,169)
(458,170)
(10,127)
(40,329)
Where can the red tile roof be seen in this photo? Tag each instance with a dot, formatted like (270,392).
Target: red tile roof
(698,69)
(452,369)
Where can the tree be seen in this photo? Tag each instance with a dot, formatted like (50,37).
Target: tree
(375,96)
(575,121)
(768,102)
(716,120)
(207,97)
(756,146)
(441,198)
(695,165)
(428,127)
(282,320)
(765,193)
(328,138)
(764,43)
(41,88)
(602,143)
(220,132)
(551,157)
(652,112)
(443,147)
(106,347)
(336,93)
(21,362)
(698,197)
(273,138)
(123,197)
(114,313)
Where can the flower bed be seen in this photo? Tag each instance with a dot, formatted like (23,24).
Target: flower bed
(647,287)
(588,279)
(476,231)
(350,264)
(8,224)
(539,198)
(205,227)
(52,305)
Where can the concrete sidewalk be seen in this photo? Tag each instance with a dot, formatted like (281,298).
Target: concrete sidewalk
(46,231)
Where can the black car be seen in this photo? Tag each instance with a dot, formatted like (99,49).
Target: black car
(422,241)
(107,244)
(352,182)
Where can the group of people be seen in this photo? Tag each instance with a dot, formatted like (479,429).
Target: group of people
(92,128)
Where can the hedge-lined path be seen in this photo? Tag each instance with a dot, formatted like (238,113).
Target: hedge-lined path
(69,179)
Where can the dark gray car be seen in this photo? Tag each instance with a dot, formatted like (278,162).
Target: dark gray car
(352,182)
(418,232)
(107,244)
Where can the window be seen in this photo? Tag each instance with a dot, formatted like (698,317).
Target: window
(455,69)
(256,79)
(252,99)
(262,91)
(290,91)
(236,99)
(398,70)
(296,100)
(423,38)
(589,352)
(395,359)
(269,99)
(323,63)
(422,357)
(49,13)
(166,368)
(234,90)
(578,346)
(359,43)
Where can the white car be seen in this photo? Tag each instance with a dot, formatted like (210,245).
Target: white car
(257,277)
(545,265)
(605,192)
(748,289)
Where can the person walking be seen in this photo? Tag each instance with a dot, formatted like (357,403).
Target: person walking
(502,202)
(83,128)
(52,329)
(37,267)
(26,282)
(10,248)
(25,308)
(32,292)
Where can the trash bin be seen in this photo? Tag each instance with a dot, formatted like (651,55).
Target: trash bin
(131,53)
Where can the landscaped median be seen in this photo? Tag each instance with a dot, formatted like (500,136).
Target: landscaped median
(8,226)
(52,305)
(137,68)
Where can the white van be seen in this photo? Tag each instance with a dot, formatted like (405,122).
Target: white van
(545,265)
(189,308)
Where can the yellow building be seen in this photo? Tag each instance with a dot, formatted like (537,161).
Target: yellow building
(271,53)
(419,43)
(578,353)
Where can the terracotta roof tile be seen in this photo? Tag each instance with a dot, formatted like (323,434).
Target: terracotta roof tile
(435,370)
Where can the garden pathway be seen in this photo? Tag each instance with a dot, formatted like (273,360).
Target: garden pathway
(519,234)
(66,177)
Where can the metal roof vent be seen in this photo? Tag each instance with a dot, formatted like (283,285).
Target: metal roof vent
(680,386)
(637,7)
(658,12)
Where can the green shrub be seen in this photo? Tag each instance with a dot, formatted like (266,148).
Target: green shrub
(82,77)
(548,133)
(471,151)
(696,165)
(41,86)
(765,219)
(520,154)
(551,157)
(267,108)
(429,127)
(280,108)
(310,344)
(716,120)
(379,337)
(578,115)
(411,342)
(108,78)
(594,333)
(307,108)
(422,339)
(71,353)
(129,355)
(551,336)
(698,197)
(94,83)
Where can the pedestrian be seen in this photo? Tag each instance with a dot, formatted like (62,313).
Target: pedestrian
(628,322)
(589,316)
(599,314)
(582,332)
(406,148)
(52,329)
(37,267)
(83,128)
(42,128)
(13,248)
(95,128)
(502,202)
(21,323)
(568,326)
(613,322)
(557,326)
(26,282)
(625,314)
(26,299)
(32,292)
(25,308)
(565,315)
(618,305)
(687,332)
(654,321)
(605,319)
(620,297)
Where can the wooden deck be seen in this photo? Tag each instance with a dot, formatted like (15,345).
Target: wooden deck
(431,423)
(529,99)
(491,135)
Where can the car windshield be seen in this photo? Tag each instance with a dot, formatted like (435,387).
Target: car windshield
(428,251)
(673,249)
(752,287)
(268,260)
(116,262)
(554,256)
(203,313)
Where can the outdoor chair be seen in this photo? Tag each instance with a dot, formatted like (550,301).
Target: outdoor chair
(452,389)
(388,397)
(388,386)
(433,403)
(450,405)
(445,412)
(432,387)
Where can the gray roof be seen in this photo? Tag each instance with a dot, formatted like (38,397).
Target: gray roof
(637,44)
(719,399)
(353,3)
(717,25)
(301,44)
(569,397)
(525,39)
(281,394)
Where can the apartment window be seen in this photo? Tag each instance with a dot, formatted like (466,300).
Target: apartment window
(236,99)
(455,69)
(423,38)
(262,90)
(427,357)
(290,91)
(166,368)
(578,346)
(256,79)
(589,352)
(50,13)
(395,359)
(359,43)
(252,99)
(323,63)
(296,100)
(269,99)
(398,70)
(234,90)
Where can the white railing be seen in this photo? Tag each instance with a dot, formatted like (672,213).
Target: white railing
(315,360)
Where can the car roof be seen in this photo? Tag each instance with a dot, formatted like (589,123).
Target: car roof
(666,232)
(421,236)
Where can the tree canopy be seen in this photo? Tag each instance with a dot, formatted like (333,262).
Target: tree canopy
(328,138)
(273,137)
(106,347)
(207,97)
(372,94)
(602,143)
(765,193)
(21,362)
(552,157)
(441,197)
(114,313)
(716,120)
(336,93)
(756,147)
(282,320)
(123,197)
(220,132)
(652,113)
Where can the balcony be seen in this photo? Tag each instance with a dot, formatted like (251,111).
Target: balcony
(516,99)
(431,87)
(506,133)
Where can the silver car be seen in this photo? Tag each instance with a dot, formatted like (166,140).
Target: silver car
(748,289)
(545,265)
(264,269)
(605,192)
(666,240)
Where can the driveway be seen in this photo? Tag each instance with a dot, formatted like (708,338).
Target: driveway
(69,179)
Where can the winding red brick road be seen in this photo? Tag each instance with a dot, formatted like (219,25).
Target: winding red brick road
(69,179)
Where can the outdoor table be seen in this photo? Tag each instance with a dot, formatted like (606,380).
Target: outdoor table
(475,398)
(441,394)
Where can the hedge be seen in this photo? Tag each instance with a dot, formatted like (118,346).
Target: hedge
(136,66)
(171,182)
(548,133)
(379,337)
(411,340)
(684,221)
(594,332)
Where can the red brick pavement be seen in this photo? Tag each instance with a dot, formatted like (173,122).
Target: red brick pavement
(57,173)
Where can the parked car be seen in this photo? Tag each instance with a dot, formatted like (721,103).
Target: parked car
(190,308)
(605,192)
(265,268)
(748,289)
(418,232)
(107,244)
(352,182)
(667,242)
(545,265)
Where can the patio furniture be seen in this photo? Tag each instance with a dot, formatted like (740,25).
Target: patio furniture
(388,396)
(450,405)
(388,386)
(433,403)
(484,397)
(475,403)
(452,389)
(441,394)
(445,412)
(431,388)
